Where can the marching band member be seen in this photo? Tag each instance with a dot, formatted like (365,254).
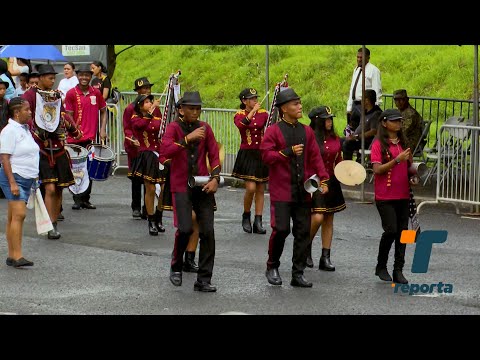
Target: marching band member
(145,166)
(185,144)
(290,150)
(250,121)
(325,207)
(49,125)
(83,102)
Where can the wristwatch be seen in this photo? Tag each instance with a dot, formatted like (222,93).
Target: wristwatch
(397,161)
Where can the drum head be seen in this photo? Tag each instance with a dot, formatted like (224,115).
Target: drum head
(75,151)
(350,173)
(102,152)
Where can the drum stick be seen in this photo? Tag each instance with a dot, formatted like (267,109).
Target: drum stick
(126,137)
(268,92)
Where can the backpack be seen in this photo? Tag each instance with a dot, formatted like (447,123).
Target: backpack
(115,95)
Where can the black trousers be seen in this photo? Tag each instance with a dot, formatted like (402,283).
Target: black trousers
(203,205)
(85,196)
(281,212)
(394,215)
(137,184)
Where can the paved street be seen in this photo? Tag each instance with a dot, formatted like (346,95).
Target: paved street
(106,263)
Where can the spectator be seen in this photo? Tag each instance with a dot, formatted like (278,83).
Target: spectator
(372,81)
(17,66)
(19,154)
(101,81)
(69,81)
(23,77)
(412,124)
(7,77)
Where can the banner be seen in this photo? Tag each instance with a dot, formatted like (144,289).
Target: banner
(47,114)
(80,174)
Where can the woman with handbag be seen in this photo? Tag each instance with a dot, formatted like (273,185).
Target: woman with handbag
(20,158)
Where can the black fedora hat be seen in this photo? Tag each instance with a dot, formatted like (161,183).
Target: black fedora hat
(83,68)
(6,84)
(285,96)
(190,98)
(44,69)
(323,112)
(143,81)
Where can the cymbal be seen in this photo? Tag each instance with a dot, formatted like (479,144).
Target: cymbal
(350,173)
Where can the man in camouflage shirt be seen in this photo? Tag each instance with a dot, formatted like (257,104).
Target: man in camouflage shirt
(412,125)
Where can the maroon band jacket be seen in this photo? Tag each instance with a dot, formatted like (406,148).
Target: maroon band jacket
(288,172)
(188,158)
(251,131)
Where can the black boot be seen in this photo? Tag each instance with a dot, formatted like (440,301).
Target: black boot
(152,227)
(246,222)
(158,220)
(382,273)
(144,214)
(189,264)
(325,263)
(309,256)
(257,225)
(398,277)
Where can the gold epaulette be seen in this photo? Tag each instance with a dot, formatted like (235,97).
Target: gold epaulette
(241,112)
(261,111)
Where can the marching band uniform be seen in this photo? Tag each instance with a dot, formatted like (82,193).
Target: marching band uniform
(248,164)
(333,201)
(54,164)
(146,165)
(288,198)
(131,149)
(188,158)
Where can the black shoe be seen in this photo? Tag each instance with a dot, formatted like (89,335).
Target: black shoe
(300,281)
(398,277)
(325,263)
(60,217)
(176,277)
(158,221)
(204,286)
(21,262)
(88,205)
(54,234)
(9,261)
(246,222)
(273,276)
(76,206)
(152,228)
(189,264)
(383,274)
(136,214)
(257,225)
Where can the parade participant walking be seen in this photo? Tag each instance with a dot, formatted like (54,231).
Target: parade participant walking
(49,125)
(186,143)
(131,145)
(324,207)
(390,161)
(83,103)
(145,166)
(290,150)
(250,121)
(19,156)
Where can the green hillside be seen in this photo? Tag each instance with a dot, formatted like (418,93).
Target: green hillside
(319,74)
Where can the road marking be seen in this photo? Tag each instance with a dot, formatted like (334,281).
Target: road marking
(233,313)
(469,217)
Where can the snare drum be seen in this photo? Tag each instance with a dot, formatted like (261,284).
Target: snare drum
(78,157)
(99,161)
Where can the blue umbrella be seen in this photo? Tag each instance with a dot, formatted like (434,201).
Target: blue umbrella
(32,52)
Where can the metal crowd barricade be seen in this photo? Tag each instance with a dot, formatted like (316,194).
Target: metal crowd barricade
(458,166)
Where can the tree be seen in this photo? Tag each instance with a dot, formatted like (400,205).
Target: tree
(112,59)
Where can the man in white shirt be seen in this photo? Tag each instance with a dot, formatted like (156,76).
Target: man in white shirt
(372,81)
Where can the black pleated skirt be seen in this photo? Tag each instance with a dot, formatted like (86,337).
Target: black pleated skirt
(61,172)
(146,166)
(332,202)
(249,166)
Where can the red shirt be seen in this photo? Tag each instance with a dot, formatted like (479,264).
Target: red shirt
(392,185)
(85,109)
(251,131)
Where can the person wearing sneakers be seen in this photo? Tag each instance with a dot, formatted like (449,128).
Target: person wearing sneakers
(325,207)
(186,144)
(20,156)
(250,121)
(391,159)
(290,150)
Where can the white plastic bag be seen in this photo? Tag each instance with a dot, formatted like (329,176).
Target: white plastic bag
(42,219)
(31,199)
